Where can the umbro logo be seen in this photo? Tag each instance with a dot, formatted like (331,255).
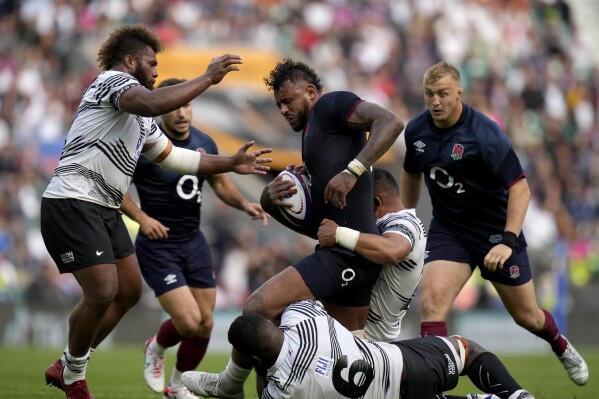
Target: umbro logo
(419,146)
(170,279)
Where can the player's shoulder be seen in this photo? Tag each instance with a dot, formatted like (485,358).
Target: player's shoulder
(405,216)
(484,127)
(417,123)
(302,310)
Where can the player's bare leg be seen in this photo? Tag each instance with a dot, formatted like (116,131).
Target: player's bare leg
(520,301)
(441,283)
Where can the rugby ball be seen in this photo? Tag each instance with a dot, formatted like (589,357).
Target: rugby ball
(300,212)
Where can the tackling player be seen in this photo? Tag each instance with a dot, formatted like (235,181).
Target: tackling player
(480,196)
(400,247)
(173,254)
(113,126)
(311,355)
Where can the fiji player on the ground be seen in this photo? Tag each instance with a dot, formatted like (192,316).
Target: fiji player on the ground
(173,254)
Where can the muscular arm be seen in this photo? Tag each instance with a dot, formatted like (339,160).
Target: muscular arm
(517,204)
(228,192)
(410,188)
(387,249)
(143,102)
(384,127)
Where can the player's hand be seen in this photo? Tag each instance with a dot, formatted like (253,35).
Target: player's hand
(497,257)
(297,169)
(257,213)
(327,232)
(153,229)
(337,189)
(245,163)
(222,65)
(276,191)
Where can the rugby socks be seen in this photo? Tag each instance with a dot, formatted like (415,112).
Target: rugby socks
(74,367)
(551,334)
(233,378)
(488,374)
(436,328)
(191,352)
(166,337)
(175,382)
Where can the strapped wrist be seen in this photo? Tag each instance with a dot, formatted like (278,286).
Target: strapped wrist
(346,237)
(356,168)
(509,239)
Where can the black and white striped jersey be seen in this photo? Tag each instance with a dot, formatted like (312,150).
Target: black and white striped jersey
(396,285)
(322,359)
(102,147)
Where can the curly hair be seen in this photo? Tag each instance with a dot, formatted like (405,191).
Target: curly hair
(127,40)
(244,334)
(291,71)
(384,181)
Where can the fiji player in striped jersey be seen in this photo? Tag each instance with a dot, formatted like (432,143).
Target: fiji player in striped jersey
(400,246)
(311,355)
(80,220)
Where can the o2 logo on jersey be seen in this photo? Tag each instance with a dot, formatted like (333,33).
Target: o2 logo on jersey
(445,180)
(195,184)
(352,387)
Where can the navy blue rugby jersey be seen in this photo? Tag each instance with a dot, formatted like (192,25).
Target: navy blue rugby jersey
(172,198)
(467,168)
(328,145)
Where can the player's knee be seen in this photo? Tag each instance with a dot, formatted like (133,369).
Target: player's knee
(188,325)
(528,321)
(206,326)
(474,351)
(100,298)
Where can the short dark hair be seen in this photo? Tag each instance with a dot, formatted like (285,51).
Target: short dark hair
(127,40)
(171,82)
(291,71)
(384,181)
(246,334)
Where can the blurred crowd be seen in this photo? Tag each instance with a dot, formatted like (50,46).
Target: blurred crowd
(522,62)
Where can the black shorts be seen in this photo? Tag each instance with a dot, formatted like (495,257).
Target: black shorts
(442,244)
(167,265)
(341,278)
(79,234)
(430,367)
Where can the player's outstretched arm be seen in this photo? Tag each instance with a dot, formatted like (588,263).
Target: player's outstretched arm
(386,249)
(140,101)
(187,162)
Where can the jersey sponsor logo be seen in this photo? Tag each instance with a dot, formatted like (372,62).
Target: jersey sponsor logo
(450,364)
(514,272)
(170,279)
(419,146)
(67,257)
(98,252)
(324,365)
(457,152)
(193,191)
(347,275)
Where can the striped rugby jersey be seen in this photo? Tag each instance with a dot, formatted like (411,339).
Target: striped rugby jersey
(396,284)
(322,359)
(102,147)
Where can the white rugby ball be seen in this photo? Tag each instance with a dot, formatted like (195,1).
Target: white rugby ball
(300,212)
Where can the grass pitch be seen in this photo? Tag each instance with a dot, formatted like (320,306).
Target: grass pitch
(116,373)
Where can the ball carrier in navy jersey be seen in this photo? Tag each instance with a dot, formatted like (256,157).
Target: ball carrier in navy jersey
(480,196)
(174,256)
(113,126)
(337,156)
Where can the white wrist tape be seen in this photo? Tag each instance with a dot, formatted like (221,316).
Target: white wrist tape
(346,237)
(179,160)
(182,160)
(356,167)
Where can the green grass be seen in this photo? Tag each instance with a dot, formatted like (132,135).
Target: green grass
(116,373)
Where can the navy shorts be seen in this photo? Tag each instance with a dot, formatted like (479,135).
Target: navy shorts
(80,234)
(443,245)
(166,265)
(430,367)
(341,278)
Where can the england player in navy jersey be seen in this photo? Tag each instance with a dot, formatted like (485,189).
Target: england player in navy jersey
(337,155)
(113,126)
(479,195)
(310,355)
(173,254)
